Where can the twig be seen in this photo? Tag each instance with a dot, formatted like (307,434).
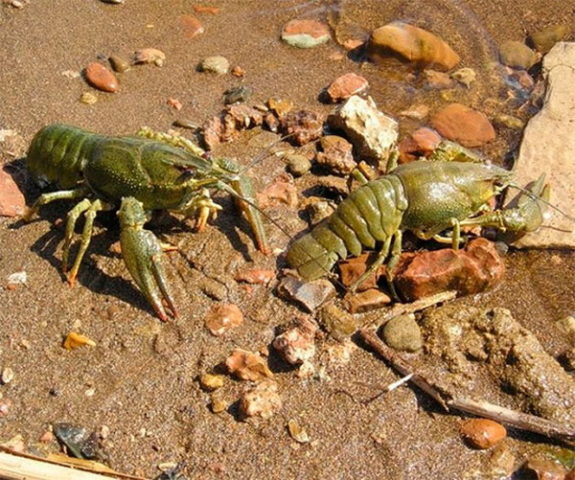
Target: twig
(519,420)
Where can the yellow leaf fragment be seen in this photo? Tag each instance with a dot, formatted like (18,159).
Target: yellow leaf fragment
(75,340)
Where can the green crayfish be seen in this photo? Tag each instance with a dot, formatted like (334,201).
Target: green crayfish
(139,174)
(425,197)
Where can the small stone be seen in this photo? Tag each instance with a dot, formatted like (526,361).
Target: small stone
(509,121)
(47,437)
(5,407)
(472,270)
(280,106)
(303,126)
(309,295)
(366,301)
(215,64)
(437,80)
(223,317)
(319,210)
(12,201)
(297,164)
(263,400)
(150,55)
(517,55)
(6,376)
(403,333)
(218,405)
(413,44)
(174,103)
(89,98)
(206,9)
(545,469)
(345,86)
(373,133)
(482,433)
(255,276)
(297,432)
(281,191)
(115,2)
(101,78)
(119,64)
(296,345)
(74,340)
(420,143)
(212,288)
(210,382)
(237,94)
(338,323)
(466,76)
(353,268)
(238,71)
(248,366)
(186,123)
(336,155)
(462,124)
(191,26)
(545,39)
(416,112)
(305,33)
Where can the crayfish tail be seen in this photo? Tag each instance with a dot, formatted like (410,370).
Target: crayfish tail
(311,259)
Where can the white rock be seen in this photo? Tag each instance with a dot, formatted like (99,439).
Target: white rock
(373,133)
(548,147)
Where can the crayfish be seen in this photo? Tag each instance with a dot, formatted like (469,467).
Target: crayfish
(138,174)
(425,197)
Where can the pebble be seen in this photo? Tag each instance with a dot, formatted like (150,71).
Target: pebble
(297,345)
(281,191)
(12,201)
(336,155)
(468,271)
(337,322)
(319,210)
(416,112)
(509,121)
(403,333)
(305,33)
(5,407)
(545,39)
(366,301)
(255,276)
(462,124)
(74,340)
(215,64)
(466,76)
(116,2)
(420,143)
(517,55)
(437,80)
(212,288)
(297,432)
(309,295)
(297,164)
(246,365)
(101,78)
(89,98)
(482,433)
(222,317)
(238,71)
(280,106)
(354,267)
(186,123)
(217,404)
(174,103)
(263,400)
(545,469)
(211,382)
(412,43)
(373,133)
(237,94)
(119,64)
(345,86)
(191,25)
(6,376)
(302,126)
(150,55)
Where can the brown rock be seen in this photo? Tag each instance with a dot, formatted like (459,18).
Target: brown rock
(303,126)
(353,268)
(309,295)
(223,317)
(206,9)
(337,155)
(438,80)
(281,191)
(255,275)
(101,78)
(472,270)
(420,143)
(546,469)
(366,301)
(191,26)
(345,86)
(482,433)
(296,345)
(248,366)
(462,124)
(413,44)
(570,475)
(12,202)
(280,106)
(150,55)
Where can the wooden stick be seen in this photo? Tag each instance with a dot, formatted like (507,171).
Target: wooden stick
(519,420)
(21,466)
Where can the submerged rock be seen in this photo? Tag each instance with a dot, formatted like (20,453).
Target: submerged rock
(462,124)
(544,40)
(336,155)
(305,33)
(517,55)
(346,86)
(413,44)
(302,126)
(482,433)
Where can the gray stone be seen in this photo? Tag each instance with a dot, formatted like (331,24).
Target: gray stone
(547,147)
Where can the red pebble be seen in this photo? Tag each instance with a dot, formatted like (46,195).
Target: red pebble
(101,78)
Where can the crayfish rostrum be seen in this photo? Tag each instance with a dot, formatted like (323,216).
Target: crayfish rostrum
(138,174)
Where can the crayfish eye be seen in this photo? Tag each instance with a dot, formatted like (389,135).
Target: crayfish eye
(187,173)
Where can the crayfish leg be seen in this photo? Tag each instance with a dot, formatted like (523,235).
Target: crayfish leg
(50,197)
